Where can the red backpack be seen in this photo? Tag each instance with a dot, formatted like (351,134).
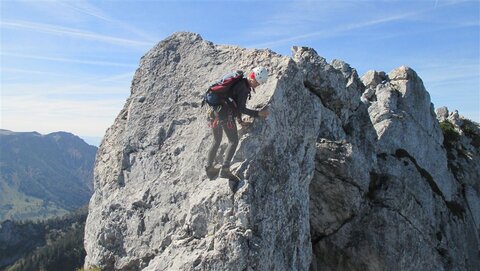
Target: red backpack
(219,90)
(226,82)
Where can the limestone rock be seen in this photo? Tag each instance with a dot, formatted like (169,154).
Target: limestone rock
(442,113)
(327,182)
(154,207)
(371,79)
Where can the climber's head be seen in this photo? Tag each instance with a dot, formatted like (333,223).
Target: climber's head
(258,76)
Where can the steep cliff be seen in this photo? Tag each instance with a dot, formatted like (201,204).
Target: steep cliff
(344,174)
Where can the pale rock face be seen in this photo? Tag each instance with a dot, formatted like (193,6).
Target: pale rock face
(371,79)
(442,113)
(156,210)
(404,119)
(327,182)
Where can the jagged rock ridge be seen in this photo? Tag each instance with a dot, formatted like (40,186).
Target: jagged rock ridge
(343,174)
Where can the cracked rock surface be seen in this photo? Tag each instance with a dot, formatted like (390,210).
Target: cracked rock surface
(344,174)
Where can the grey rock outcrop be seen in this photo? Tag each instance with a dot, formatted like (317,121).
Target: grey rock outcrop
(328,182)
(442,113)
(452,117)
(371,79)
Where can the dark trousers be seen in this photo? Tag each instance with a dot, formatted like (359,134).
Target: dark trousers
(230,128)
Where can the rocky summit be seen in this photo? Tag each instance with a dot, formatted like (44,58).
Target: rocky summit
(346,173)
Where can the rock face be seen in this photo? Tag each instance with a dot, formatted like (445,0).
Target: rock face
(333,179)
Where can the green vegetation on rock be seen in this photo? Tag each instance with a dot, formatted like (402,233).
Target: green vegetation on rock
(471,130)
(450,136)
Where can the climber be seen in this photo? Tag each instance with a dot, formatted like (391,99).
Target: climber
(222,117)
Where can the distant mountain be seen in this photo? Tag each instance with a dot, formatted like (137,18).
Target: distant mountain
(43,175)
(53,244)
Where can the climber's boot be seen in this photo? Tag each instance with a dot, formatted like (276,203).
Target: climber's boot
(226,173)
(212,172)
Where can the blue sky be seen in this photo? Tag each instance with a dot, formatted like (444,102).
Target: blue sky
(68,65)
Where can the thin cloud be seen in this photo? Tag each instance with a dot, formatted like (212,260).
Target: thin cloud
(410,32)
(5,70)
(335,31)
(98,108)
(81,91)
(439,72)
(99,88)
(116,78)
(346,28)
(96,83)
(77,33)
(69,60)
(93,11)
(27,113)
(84,8)
(296,15)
